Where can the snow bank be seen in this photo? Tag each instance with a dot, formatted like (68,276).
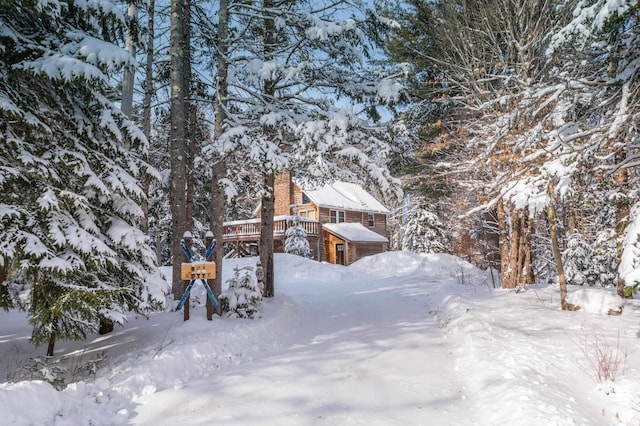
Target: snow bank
(596,300)
(18,407)
(516,357)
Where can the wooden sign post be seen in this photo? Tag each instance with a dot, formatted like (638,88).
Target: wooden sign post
(198,271)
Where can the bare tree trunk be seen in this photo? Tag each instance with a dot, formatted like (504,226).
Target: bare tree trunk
(218,168)
(503,241)
(266,235)
(146,108)
(52,340)
(178,142)
(622,216)
(522,237)
(553,227)
(515,247)
(268,205)
(190,123)
(129,72)
(529,277)
(511,276)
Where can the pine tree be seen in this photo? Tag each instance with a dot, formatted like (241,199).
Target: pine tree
(578,260)
(69,171)
(423,232)
(243,297)
(296,239)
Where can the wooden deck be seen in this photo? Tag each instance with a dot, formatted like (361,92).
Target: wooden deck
(249,230)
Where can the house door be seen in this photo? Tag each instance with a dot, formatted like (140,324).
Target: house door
(340,254)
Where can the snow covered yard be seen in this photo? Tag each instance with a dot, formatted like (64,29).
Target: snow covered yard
(397,338)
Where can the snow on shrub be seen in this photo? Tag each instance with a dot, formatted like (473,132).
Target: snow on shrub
(243,297)
(296,239)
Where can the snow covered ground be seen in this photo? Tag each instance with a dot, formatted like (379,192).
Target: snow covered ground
(397,338)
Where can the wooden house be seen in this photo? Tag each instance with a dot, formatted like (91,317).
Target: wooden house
(344,222)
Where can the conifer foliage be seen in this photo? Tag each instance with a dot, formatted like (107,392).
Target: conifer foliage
(69,169)
(243,297)
(296,239)
(423,231)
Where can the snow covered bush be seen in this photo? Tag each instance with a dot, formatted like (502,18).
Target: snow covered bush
(296,239)
(243,297)
(590,264)
(47,369)
(577,260)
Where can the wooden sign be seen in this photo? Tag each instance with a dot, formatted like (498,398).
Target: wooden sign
(198,271)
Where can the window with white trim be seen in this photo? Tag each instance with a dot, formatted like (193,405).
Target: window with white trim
(337,216)
(308,214)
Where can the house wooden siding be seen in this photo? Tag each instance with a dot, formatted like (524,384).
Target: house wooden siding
(289,201)
(379,220)
(353,250)
(368,249)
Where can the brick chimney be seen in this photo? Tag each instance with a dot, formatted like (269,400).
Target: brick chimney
(283,188)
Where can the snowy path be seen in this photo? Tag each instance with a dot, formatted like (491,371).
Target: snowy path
(394,339)
(339,367)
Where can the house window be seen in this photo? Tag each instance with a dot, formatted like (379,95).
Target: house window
(372,221)
(305,199)
(308,214)
(337,216)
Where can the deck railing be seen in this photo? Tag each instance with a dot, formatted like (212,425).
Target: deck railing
(250,228)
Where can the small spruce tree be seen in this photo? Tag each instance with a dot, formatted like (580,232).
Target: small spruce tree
(296,239)
(423,232)
(243,297)
(577,260)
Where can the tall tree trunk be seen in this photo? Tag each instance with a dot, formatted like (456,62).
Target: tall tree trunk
(515,247)
(146,109)
(511,276)
(178,142)
(266,234)
(529,277)
(622,214)
(555,245)
(268,204)
(129,72)
(218,168)
(190,120)
(503,241)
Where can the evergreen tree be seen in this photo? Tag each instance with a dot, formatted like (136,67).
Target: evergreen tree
(243,297)
(296,239)
(293,64)
(423,232)
(69,171)
(578,261)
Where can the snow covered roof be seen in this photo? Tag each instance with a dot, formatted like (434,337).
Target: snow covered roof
(355,232)
(345,196)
